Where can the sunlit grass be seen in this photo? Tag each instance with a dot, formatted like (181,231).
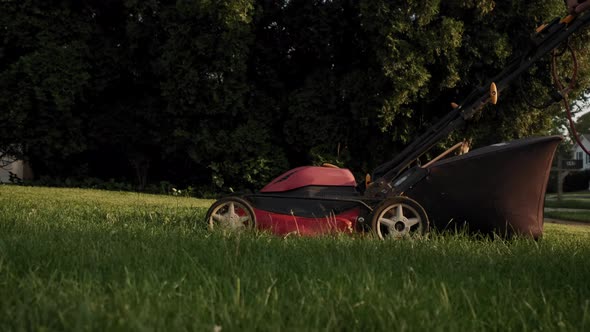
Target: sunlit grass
(94,260)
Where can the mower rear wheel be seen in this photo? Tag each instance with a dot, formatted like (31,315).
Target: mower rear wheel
(399,217)
(231,213)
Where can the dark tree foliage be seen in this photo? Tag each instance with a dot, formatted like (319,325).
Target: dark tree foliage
(232,92)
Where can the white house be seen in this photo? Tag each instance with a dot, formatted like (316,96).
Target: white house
(579,154)
(18,168)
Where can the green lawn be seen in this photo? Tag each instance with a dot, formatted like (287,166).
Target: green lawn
(581,216)
(569,204)
(580,201)
(584,194)
(94,260)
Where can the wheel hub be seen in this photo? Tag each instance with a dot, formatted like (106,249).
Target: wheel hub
(233,220)
(400,226)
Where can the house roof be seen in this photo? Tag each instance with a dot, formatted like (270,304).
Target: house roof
(585,138)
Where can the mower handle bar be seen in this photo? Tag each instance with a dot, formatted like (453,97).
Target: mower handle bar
(547,38)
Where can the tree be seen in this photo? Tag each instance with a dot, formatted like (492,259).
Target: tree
(44,78)
(204,68)
(235,92)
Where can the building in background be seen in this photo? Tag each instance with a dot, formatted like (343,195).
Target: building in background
(12,169)
(579,154)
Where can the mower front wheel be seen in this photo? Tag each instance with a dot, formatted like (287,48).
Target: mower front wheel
(233,213)
(399,217)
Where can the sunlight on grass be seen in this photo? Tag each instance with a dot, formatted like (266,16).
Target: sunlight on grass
(51,196)
(96,260)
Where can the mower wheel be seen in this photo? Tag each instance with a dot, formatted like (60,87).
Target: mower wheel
(399,217)
(233,213)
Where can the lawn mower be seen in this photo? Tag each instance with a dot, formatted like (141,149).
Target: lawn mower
(495,189)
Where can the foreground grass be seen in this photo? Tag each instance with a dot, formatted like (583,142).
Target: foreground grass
(91,260)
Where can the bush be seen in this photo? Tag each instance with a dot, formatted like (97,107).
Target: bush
(576,181)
